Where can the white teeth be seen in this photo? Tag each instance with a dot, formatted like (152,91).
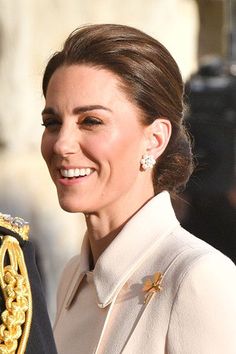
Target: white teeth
(65,173)
(70,173)
(77,172)
(82,172)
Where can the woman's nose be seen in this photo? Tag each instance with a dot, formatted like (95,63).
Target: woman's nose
(67,142)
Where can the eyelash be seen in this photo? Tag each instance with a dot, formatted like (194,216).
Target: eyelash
(90,121)
(50,122)
(87,121)
(46,125)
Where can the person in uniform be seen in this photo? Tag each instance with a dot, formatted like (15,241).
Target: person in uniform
(25,326)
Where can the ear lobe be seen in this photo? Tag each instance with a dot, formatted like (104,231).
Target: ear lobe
(160,133)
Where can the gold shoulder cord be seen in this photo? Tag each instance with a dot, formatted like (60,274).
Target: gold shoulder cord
(14,282)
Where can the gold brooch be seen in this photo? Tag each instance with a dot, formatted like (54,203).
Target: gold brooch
(152,286)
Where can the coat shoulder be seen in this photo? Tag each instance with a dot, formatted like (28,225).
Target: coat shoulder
(65,281)
(183,248)
(204,295)
(181,254)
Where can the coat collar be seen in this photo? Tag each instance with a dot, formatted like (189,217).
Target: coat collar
(143,232)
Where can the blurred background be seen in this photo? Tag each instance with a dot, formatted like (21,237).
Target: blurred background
(200,34)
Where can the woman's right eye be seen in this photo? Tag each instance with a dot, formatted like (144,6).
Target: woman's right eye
(51,123)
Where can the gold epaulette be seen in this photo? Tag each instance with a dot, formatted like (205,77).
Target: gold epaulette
(15,287)
(15,224)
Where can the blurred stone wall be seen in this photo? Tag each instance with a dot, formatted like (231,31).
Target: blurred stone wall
(30,31)
(213,27)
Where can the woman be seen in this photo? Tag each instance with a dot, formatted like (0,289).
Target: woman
(115,147)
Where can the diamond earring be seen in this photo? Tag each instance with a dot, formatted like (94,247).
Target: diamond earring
(147,162)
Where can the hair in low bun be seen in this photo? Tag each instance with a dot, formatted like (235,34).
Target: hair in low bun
(175,165)
(151,79)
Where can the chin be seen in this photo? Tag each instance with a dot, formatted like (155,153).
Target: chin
(69,209)
(72,206)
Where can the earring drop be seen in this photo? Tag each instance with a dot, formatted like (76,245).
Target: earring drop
(147,162)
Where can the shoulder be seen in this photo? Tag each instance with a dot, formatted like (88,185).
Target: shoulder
(66,279)
(183,258)
(67,274)
(209,270)
(201,256)
(204,308)
(203,292)
(14,227)
(70,267)
(18,271)
(184,248)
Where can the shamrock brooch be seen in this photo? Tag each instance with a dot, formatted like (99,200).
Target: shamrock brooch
(152,286)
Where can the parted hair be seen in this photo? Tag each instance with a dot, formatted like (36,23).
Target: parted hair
(151,79)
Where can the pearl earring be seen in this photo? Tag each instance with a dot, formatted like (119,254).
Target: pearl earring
(147,162)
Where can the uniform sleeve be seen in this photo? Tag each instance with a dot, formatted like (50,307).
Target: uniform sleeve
(203,317)
(25,324)
(40,339)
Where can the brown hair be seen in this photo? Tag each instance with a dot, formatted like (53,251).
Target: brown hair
(150,77)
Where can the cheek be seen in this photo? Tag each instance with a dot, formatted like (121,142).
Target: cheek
(46,148)
(119,151)
(107,147)
(129,146)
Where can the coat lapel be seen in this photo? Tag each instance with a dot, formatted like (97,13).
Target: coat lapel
(132,247)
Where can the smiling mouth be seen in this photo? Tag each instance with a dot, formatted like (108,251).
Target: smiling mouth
(76,172)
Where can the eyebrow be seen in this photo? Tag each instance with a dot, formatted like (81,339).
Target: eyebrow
(77,110)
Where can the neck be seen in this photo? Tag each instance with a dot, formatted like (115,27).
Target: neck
(99,244)
(104,226)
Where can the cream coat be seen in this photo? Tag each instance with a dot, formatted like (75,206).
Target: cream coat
(104,311)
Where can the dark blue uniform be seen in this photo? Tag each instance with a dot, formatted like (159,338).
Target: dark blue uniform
(24,325)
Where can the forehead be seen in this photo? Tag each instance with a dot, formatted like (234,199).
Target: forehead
(84,79)
(87,85)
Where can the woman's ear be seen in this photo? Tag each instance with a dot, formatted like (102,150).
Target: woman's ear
(159,133)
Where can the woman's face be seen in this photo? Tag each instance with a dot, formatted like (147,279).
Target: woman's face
(93,141)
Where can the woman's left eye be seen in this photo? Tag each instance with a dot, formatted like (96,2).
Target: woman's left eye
(90,121)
